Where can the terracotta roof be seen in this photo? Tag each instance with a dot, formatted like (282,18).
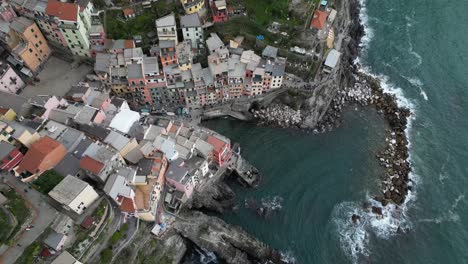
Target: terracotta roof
(64,11)
(127,205)
(318,21)
(90,164)
(174,129)
(3,111)
(37,153)
(217,143)
(128,11)
(87,222)
(129,44)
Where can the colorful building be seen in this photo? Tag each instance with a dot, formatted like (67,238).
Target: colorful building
(7,114)
(221,149)
(192,6)
(43,155)
(219,11)
(28,45)
(10,81)
(74,24)
(10,156)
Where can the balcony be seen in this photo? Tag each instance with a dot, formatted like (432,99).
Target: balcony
(68,26)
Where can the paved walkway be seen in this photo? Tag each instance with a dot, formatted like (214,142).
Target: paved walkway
(42,217)
(57,78)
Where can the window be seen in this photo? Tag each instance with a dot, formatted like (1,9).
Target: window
(36,45)
(32,29)
(40,42)
(30,50)
(74,32)
(35,35)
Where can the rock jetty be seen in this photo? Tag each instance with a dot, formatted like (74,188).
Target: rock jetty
(279,115)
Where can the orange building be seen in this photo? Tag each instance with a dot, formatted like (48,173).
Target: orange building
(43,155)
(27,43)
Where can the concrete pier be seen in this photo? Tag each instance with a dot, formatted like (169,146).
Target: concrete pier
(245,171)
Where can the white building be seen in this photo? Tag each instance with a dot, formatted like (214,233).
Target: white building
(331,61)
(65,258)
(166,28)
(191,29)
(124,120)
(74,194)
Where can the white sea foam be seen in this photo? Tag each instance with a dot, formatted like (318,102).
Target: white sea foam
(355,237)
(273,203)
(207,257)
(419,84)
(409,24)
(288,257)
(443,174)
(368,32)
(449,216)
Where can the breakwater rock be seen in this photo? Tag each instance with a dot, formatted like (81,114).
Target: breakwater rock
(231,243)
(279,115)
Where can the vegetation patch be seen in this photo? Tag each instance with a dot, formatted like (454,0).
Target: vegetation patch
(118,234)
(29,254)
(99,212)
(17,206)
(265,11)
(117,27)
(5,227)
(106,255)
(47,181)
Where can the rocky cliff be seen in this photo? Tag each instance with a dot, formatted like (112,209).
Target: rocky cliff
(317,105)
(231,243)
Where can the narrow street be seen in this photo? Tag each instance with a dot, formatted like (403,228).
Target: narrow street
(42,216)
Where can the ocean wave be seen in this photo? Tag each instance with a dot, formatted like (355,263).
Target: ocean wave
(419,84)
(288,257)
(443,174)
(368,31)
(207,257)
(274,203)
(449,216)
(409,24)
(355,236)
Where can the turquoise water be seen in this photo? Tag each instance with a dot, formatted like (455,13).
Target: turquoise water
(418,48)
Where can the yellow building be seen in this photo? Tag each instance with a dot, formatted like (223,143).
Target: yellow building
(192,6)
(7,114)
(5,132)
(25,135)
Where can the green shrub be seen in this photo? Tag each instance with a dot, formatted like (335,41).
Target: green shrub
(47,181)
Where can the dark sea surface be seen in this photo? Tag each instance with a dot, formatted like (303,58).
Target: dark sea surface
(419,49)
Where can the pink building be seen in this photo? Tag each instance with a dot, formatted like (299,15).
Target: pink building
(177,176)
(219,10)
(10,82)
(221,149)
(97,39)
(7,13)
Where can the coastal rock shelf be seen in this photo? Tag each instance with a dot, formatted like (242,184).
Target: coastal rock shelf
(231,243)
